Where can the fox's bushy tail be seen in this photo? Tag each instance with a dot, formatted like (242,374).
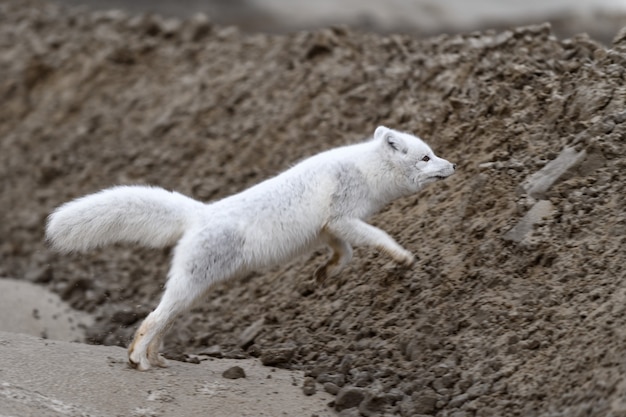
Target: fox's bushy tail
(150,216)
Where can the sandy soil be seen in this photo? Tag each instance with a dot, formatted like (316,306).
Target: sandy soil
(517,304)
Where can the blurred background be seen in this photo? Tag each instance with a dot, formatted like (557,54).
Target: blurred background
(599,18)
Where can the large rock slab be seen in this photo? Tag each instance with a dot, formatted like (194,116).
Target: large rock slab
(538,184)
(524,227)
(51,378)
(31,309)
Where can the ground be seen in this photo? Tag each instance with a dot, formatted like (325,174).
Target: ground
(516,305)
(102,384)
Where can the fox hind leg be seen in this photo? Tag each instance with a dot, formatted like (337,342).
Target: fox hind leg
(143,352)
(199,261)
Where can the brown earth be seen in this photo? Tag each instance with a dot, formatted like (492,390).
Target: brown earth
(490,322)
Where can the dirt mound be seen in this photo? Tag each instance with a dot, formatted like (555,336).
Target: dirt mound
(517,305)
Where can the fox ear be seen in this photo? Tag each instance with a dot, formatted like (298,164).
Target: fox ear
(390,139)
(380,132)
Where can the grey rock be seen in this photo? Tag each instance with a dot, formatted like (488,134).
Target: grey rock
(331,388)
(363,379)
(350,412)
(373,405)
(541,181)
(458,401)
(346,364)
(234,372)
(445,381)
(425,403)
(406,407)
(308,386)
(477,390)
(540,210)
(214,351)
(250,333)
(349,397)
(337,379)
(280,355)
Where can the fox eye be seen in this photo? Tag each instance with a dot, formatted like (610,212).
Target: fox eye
(426,158)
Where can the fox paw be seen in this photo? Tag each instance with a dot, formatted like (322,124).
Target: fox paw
(144,363)
(139,363)
(406,259)
(146,360)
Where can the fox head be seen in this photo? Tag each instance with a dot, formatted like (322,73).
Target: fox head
(412,162)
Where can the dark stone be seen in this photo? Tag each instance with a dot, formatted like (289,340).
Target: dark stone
(234,372)
(349,397)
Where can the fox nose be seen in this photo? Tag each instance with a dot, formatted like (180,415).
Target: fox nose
(454,167)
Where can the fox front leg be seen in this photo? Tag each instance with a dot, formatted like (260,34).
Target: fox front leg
(358,233)
(341,255)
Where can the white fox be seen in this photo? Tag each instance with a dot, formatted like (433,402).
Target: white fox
(320,201)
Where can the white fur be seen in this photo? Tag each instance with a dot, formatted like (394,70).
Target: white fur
(323,200)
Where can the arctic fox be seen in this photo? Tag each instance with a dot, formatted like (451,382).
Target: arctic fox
(322,200)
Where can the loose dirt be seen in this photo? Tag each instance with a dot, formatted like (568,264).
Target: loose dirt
(495,319)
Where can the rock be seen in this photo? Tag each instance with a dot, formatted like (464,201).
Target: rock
(319,369)
(425,403)
(531,344)
(459,400)
(280,355)
(349,397)
(406,407)
(540,182)
(346,364)
(363,379)
(394,396)
(446,381)
(373,405)
(250,333)
(331,388)
(234,372)
(308,386)
(214,351)
(536,214)
(477,390)
(337,379)
(440,369)
(350,412)
(234,354)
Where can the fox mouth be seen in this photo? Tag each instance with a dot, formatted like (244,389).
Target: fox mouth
(443,174)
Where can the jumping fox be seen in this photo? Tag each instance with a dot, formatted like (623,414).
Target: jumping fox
(323,200)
